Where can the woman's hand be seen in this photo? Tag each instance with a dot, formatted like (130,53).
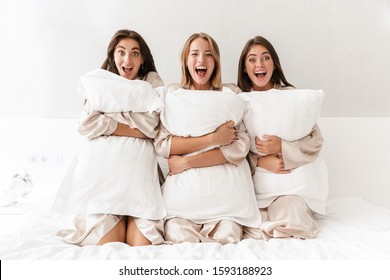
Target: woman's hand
(177,165)
(273,163)
(224,134)
(271,145)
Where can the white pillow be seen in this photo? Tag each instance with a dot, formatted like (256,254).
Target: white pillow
(116,175)
(210,193)
(111,93)
(288,114)
(213,193)
(309,181)
(195,113)
(291,115)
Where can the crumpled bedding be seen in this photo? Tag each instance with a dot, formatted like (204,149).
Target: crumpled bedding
(352,230)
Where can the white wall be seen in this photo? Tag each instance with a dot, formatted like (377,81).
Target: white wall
(26,141)
(357,153)
(339,46)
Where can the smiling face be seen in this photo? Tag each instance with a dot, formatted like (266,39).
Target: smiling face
(200,64)
(259,66)
(128,58)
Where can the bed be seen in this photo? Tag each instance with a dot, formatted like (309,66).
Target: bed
(353,229)
(356,227)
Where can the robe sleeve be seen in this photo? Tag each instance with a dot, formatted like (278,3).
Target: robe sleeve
(239,148)
(302,151)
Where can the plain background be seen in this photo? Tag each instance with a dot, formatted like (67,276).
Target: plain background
(341,47)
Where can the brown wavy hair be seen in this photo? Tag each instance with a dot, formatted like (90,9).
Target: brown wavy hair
(148,64)
(278,78)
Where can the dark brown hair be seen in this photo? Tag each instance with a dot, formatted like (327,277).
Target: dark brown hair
(278,78)
(148,64)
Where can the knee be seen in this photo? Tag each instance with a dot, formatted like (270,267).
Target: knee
(292,202)
(227,232)
(177,232)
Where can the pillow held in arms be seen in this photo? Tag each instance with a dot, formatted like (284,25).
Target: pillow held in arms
(111,93)
(210,193)
(288,114)
(195,113)
(291,115)
(113,174)
(309,181)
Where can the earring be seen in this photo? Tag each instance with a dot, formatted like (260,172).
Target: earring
(142,66)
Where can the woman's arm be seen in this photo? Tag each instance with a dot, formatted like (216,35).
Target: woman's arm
(302,151)
(233,153)
(125,130)
(167,144)
(237,151)
(95,124)
(293,153)
(136,124)
(178,164)
(223,135)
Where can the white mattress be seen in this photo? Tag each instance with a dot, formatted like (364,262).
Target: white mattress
(352,230)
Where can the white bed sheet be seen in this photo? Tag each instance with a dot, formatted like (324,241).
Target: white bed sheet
(352,230)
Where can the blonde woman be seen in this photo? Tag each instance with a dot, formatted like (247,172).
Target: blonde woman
(208,191)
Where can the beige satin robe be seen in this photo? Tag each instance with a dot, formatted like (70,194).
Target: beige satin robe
(289,215)
(179,230)
(89,230)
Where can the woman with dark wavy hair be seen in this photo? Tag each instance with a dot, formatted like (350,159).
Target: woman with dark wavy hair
(147,66)
(260,70)
(125,203)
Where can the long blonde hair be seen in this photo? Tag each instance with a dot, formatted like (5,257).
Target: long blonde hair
(216,80)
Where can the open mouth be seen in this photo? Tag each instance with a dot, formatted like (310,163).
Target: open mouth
(201,71)
(260,74)
(127,70)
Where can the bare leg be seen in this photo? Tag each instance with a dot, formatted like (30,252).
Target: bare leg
(134,236)
(117,234)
